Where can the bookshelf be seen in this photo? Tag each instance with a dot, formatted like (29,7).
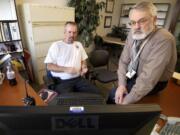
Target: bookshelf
(10,38)
(162,12)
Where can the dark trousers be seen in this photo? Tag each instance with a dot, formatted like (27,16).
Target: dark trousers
(130,82)
(78,84)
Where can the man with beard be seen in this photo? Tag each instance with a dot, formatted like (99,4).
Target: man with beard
(148,58)
(66,60)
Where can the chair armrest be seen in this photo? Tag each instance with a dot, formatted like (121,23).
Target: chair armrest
(49,82)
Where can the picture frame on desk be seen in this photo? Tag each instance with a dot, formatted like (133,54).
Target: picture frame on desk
(109,6)
(107,21)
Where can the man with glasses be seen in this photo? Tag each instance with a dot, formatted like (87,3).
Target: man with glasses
(148,58)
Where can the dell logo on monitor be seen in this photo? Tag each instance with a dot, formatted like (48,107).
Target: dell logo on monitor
(75,122)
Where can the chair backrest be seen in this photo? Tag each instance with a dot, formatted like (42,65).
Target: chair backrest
(98,40)
(99,58)
(48,79)
(48,72)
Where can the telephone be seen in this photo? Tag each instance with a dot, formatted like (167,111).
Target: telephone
(170,127)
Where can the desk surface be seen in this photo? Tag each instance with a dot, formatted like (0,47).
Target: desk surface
(168,99)
(12,95)
(113,40)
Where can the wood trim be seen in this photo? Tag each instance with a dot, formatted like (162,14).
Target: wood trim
(174,17)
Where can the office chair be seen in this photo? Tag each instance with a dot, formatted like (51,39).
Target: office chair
(73,98)
(99,43)
(49,80)
(99,59)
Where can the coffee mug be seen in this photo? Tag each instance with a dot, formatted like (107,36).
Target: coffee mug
(2,76)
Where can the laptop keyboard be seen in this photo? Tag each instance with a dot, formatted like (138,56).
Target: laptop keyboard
(171,129)
(80,99)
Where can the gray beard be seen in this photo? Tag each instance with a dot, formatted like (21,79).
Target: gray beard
(140,36)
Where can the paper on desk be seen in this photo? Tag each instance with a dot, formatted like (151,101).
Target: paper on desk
(154,132)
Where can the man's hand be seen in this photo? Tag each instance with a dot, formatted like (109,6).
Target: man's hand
(84,71)
(119,95)
(84,68)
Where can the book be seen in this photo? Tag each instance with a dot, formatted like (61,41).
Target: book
(2,32)
(1,38)
(18,46)
(6,31)
(3,49)
(14,30)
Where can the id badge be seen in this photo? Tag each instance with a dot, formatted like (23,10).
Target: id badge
(130,74)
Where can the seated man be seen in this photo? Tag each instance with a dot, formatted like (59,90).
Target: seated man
(148,58)
(66,60)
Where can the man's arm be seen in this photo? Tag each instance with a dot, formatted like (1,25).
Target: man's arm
(56,68)
(123,64)
(84,68)
(153,68)
(122,69)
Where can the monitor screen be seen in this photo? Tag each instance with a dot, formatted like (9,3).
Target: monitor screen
(82,120)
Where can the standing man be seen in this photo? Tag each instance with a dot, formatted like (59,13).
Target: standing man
(66,60)
(148,58)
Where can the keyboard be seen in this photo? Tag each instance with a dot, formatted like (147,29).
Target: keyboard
(80,99)
(170,129)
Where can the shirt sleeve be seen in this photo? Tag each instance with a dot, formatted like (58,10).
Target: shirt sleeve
(123,64)
(51,55)
(152,70)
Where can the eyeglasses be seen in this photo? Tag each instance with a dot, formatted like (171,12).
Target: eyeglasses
(140,22)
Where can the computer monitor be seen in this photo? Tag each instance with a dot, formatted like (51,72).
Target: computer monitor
(82,120)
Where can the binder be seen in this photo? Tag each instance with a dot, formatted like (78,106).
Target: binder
(6,32)
(2,32)
(1,38)
(14,30)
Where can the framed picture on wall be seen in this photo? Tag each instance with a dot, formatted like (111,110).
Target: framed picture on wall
(109,6)
(107,21)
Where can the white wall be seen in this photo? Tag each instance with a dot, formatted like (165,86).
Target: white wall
(47,2)
(115,18)
(115,15)
(44,2)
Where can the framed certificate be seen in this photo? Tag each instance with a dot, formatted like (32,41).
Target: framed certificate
(109,6)
(107,21)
